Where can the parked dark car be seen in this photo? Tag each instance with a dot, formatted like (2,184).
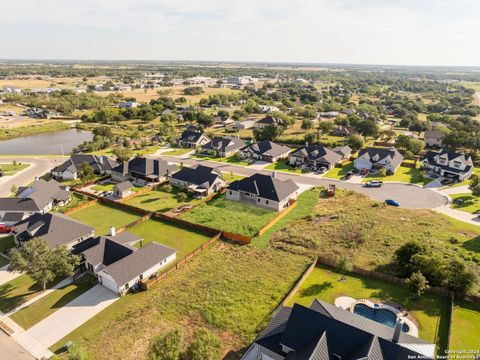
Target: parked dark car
(392,202)
(348,175)
(447,181)
(374,184)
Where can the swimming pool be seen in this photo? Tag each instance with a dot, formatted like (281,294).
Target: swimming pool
(382,316)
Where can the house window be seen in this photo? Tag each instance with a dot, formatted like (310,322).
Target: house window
(258,200)
(266,202)
(126,286)
(441,161)
(230,192)
(457,164)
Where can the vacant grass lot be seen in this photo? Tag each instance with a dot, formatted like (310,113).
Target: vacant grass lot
(282,166)
(230,289)
(160,200)
(370,232)
(182,240)
(101,217)
(403,174)
(227,160)
(430,312)
(466,202)
(17,291)
(465,326)
(11,169)
(231,216)
(177,151)
(6,243)
(46,306)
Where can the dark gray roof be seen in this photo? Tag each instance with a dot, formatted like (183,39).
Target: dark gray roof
(107,251)
(190,136)
(124,186)
(323,330)
(268,148)
(318,153)
(265,186)
(56,229)
(198,175)
(145,167)
(12,217)
(43,192)
(138,262)
(98,163)
(395,157)
(18,205)
(343,150)
(270,120)
(224,144)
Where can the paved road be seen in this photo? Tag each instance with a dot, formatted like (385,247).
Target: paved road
(409,195)
(38,167)
(11,350)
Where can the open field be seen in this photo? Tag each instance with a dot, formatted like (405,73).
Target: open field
(430,312)
(11,169)
(465,326)
(101,217)
(230,289)
(352,224)
(182,240)
(231,216)
(160,200)
(469,203)
(6,243)
(25,129)
(17,291)
(46,306)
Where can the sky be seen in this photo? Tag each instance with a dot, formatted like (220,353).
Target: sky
(397,32)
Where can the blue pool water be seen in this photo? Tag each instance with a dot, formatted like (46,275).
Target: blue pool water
(382,316)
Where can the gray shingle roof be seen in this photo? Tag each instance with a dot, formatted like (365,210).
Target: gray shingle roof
(98,163)
(190,136)
(265,186)
(145,167)
(318,153)
(56,229)
(392,154)
(224,144)
(267,148)
(198,175)
(138,262)
(124,186)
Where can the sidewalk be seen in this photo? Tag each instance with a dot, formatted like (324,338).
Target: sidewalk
(459,215)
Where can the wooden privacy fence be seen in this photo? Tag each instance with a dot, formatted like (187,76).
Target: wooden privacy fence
(182,262)
(299,282)
(79,207)
(276,219)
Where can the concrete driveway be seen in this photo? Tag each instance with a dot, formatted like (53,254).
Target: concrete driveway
(408,195)
(38,167)
(47,332)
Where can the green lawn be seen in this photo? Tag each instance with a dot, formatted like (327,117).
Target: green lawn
(227,160)
(10,169)
(101,217)
(282,166)
(231,216)
(469,203)
(177,151)
(465,330)
(160,200)
(103,187)
(3,261)
(76,200)
(17,291)
(403,174)
(46,306)
(232,177)
(230,289)
(430,311)
(182,240)
(339,172)
(6,243)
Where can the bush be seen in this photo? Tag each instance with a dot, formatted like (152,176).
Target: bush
(182,197)
(166,346)
(78,353)
(417,284)
(204,346)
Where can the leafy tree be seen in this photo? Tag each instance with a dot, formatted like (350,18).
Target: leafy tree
(382,172)
(457,277)
(86,172)
(311,138)
(182,197)
(403,256)
(417,284)
(122,154)
(14,189)
(355,141)
(41,263)
(344,265)
(193,90)
(474,185)
(204,346)
(325,126)
(269,132)
(307,124)
(415,146)
(166,346)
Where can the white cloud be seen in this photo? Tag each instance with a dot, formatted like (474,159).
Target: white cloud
(360,31)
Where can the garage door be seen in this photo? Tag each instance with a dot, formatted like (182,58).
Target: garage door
(108,284)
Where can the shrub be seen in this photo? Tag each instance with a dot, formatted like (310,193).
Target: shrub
(204,346)
(166,346)
(78,353)
(417,284)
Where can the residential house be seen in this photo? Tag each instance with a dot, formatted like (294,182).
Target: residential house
(328,114)
(143,170)
(457,166)
(268,120)
(264,150)
(118,265)
(344,151)
(433,138)
(127,104)
(41,197)
(326,332)
(123,189)
(201,180)
(243,125)
(223,121)
(38,113)
(263,191)
(54,228)
(192,139)
(268,108)
(314,157)
(344,131)
(101,165)
(223,146)
(377,158)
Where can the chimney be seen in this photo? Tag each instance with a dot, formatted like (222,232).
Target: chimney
(397,331)
(113,232)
